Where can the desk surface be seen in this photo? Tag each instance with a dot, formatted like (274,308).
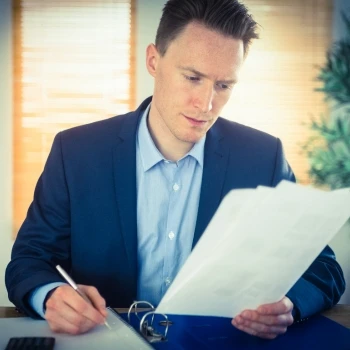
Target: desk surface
(339,313)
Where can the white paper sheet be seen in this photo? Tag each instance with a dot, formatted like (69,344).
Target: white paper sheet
(256,247)
(120,337)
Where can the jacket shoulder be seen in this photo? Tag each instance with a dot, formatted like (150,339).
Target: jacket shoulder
(234,132)
(101,129)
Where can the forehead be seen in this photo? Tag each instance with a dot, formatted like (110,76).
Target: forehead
(207,51)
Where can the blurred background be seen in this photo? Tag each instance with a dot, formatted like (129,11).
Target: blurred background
(69,62)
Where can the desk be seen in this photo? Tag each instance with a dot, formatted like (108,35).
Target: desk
(191,333)
(339,313)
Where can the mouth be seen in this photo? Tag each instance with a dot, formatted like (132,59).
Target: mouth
(195,122)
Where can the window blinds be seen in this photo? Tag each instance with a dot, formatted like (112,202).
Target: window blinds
(276,89)
(74,64)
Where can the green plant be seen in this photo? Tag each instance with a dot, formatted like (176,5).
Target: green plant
(328,149)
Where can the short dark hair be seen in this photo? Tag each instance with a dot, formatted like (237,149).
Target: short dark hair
(228,17)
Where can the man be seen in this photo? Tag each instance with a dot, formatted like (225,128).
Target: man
(122,202)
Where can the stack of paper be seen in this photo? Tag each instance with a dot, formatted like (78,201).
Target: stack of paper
(256,247)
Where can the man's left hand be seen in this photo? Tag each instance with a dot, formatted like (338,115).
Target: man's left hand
(267,321)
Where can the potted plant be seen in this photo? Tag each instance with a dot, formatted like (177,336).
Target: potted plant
(328,149)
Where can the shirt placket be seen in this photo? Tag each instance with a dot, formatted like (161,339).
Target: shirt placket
(172,224)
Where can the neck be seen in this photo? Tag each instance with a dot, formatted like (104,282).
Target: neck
(168,145)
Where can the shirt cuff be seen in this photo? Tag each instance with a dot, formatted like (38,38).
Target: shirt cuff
(38,295)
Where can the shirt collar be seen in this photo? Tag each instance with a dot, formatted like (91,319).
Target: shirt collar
(150,154)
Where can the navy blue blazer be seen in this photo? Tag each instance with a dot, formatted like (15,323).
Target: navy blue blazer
(83,215)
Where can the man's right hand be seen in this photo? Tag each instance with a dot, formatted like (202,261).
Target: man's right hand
(68,312)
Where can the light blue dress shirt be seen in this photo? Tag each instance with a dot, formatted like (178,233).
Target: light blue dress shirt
(167,206)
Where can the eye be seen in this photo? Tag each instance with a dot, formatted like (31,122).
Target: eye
(192,78)
(224,86)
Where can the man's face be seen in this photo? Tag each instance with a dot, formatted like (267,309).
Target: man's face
(193,82)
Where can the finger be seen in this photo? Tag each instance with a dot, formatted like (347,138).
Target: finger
(67,296)
(63,319)
(267,335)
(60,324)
(281,307)
(264,328)
(283,320)
(254,332)
(69,315)
(96,299)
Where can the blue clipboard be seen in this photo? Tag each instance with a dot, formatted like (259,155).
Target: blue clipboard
(199,332)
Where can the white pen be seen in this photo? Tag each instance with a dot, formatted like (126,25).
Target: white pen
(65,275)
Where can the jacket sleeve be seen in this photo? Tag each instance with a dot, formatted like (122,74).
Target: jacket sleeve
(323,283)
(320,287)
(44,237)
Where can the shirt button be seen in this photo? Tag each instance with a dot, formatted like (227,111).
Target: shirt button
(171,235)
(167,281)
(176,187)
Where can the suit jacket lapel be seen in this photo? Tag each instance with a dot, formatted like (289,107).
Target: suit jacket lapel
(214,172)
(124,166)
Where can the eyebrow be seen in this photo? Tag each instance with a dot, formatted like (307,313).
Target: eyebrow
(202,75)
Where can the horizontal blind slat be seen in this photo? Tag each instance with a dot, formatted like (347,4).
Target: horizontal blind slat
(276,89)
(72,66)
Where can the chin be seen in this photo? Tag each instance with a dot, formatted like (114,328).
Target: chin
(191,138)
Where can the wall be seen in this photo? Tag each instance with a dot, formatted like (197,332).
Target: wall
(5,143)
(148,14)
(339,29)
(147,19)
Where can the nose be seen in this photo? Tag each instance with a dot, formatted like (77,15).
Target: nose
(203,100)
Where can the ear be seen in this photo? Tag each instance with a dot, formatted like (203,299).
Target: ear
(152,58)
